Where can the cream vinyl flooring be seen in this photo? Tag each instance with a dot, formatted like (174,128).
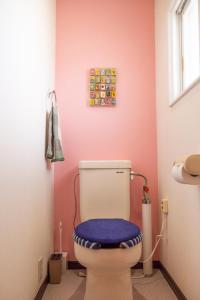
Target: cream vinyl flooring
(72,287)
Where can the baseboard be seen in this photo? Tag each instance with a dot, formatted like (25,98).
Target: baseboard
(42,289)
(177,291)
(156,265)
(75,265)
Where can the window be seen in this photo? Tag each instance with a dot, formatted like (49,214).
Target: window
(185,50)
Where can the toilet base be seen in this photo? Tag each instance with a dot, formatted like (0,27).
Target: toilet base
(109,285)
(108,271)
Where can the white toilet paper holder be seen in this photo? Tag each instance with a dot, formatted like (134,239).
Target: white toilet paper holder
(187,170)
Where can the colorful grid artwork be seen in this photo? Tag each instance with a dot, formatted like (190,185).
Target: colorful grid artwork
(102,86)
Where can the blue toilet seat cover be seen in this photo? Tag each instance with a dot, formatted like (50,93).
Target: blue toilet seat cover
(107,233)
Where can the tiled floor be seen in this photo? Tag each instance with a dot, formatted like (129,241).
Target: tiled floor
(72,288)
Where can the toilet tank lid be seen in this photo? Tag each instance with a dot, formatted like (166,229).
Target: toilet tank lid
(105,164)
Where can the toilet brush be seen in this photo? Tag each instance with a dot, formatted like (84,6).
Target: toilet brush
(64,254)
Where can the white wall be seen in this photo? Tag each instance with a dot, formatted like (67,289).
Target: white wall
(178,134)
(26,74)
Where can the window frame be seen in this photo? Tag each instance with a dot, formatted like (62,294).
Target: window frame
(177,91)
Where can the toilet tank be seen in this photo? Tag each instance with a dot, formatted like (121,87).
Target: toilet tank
(104,189)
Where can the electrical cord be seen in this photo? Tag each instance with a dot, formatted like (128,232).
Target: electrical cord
(75,201)
(138,277)
(158,238)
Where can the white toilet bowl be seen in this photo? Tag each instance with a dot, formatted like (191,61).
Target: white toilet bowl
(108,271)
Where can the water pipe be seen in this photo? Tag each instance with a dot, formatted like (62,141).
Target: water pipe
(146,227)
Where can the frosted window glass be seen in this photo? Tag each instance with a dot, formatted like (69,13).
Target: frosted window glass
(190,43)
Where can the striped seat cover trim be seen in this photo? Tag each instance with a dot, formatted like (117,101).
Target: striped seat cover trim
(96,245)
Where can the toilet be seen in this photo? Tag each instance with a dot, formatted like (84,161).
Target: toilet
(105,242)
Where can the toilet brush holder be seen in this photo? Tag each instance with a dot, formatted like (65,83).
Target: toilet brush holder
(55,268)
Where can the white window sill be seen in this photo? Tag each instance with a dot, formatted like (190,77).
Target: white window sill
(186,91)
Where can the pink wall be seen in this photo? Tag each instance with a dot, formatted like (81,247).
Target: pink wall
(116,34)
